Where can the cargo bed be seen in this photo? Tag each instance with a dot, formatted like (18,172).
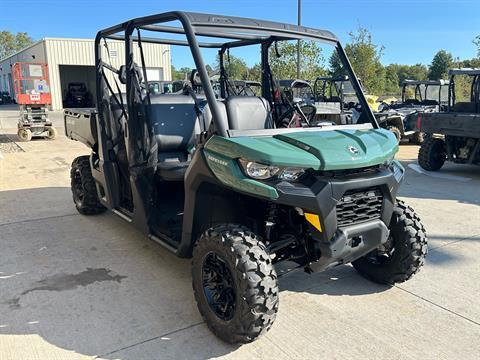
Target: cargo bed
(454,124)
(81,125)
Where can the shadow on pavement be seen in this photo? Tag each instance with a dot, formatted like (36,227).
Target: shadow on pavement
(417,185)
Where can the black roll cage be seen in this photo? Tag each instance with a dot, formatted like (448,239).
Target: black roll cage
(241,32)
(474,88)
(418,90)
(332,81)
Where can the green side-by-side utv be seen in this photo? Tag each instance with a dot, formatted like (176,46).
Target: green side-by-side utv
(218,179)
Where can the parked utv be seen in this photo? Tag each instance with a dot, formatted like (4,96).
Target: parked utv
(77,96)
(219,181)
(453,135)
(5,98)
(418,96)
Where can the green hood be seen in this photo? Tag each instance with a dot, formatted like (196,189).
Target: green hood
(320,150)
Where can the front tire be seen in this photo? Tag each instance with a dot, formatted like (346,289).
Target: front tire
(234,283)
(396,131)
(83,187)
(432,154)
(404,253)
(24,134)
(51,133)
(418,138)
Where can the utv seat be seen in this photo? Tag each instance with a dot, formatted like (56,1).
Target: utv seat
(464,107)
(175,124)
(248,113)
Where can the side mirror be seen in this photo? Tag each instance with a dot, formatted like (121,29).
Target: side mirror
(122,74)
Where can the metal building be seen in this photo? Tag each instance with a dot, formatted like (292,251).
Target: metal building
(73,60)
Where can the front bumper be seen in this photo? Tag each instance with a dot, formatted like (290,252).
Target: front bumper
(351,243)
(342,243)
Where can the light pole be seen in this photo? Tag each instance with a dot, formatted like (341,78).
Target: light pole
(299,22)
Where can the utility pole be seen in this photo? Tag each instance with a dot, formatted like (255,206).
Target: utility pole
(299,22)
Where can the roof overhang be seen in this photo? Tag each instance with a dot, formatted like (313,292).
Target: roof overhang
(425,82)
(238,30)
(464,71)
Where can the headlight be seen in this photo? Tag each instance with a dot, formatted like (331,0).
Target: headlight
(262,171)
(259,171)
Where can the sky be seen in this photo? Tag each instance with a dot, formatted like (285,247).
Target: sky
(411,31)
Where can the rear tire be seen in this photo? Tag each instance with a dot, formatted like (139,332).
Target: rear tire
(51,133)
(432,154)
(239,302)
(24,134)
(403,255)
(83,187)
(396,131)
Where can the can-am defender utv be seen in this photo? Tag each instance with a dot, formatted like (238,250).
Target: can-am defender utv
(453,135)
(215,178)
(418,96)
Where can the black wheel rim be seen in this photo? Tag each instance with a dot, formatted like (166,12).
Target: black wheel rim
(78,190)
(218,286)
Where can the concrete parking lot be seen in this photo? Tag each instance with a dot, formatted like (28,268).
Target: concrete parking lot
(77,287)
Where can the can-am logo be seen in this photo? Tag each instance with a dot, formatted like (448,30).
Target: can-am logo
(353,149)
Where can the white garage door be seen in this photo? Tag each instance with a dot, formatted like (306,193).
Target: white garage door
(155,74)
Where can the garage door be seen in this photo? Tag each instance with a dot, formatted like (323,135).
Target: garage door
(78,85)
(155,74)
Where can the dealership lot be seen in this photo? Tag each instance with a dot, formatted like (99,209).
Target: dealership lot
(76,287)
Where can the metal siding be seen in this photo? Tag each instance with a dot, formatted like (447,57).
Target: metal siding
(25,55)
(82,52)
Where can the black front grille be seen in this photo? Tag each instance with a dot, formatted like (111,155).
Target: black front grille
(347,172)
(359,205)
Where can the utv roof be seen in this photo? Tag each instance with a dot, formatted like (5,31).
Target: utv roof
(425,82)
(246,82)
(332,78)
(464,71)
(287,83)
(226,27)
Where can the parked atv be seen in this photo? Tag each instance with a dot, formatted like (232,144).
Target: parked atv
(418,96)
(78,96)
(453,135)
(217,179)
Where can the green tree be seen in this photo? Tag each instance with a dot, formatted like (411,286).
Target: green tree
(409,72)
(181,74)
(11,43)
(391,80)
(441,62)
(235,68)
(365,57)
(476,41)
(255,73)
(469,63)
(284,66)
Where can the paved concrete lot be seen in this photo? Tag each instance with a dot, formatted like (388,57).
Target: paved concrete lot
(76,287)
